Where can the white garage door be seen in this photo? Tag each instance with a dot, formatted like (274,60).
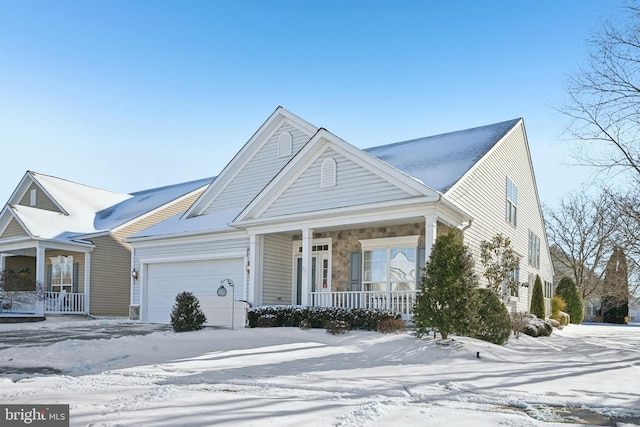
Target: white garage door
(202,278)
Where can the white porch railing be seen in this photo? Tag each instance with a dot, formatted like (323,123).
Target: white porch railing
(399,301)
(64,303)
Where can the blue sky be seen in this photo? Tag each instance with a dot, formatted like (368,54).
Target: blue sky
(129,95)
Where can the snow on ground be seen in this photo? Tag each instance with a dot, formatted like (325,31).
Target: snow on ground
(293,377)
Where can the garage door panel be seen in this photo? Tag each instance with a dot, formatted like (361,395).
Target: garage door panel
(202,278)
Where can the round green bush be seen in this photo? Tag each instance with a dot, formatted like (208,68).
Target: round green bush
(493,323)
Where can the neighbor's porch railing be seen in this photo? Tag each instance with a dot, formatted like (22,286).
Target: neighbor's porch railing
(64,303)
(399,301)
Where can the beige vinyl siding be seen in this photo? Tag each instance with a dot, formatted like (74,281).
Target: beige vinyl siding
(16,263)
(258,171)
(482,193)
(14,229)
(110,276)
(277,270)
(42,200)
(111,262)
(78,257)
(354,185)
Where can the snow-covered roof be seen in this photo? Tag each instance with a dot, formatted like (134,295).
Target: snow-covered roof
(436,161)
(88,210)
(440,161)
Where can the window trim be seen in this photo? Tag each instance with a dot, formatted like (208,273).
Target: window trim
(387,244)
(511,203)
(285,144)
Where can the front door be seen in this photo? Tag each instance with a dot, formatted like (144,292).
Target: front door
(319,276)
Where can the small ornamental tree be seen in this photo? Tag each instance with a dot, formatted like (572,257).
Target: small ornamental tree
(568,291)
(493,323)
(186,314)
(499,261)
(537,300)
(445,303)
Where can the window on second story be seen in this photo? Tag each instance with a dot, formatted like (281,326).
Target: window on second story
(534,250)
(512,201)
(33,197)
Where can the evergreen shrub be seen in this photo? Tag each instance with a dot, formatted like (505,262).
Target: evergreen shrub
(445,303)
(186,314)
(537,300)
(569,292)
(316,317)
(493,323)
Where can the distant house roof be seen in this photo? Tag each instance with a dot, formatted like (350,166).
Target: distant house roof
(440,161)
(88,210)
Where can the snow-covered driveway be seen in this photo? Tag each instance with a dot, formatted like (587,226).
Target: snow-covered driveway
(293,377)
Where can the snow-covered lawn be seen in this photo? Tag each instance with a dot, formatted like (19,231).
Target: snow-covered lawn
(293,377)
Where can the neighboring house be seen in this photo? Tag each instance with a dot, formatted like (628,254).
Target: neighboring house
(593,302)
(300,216)
(70,236)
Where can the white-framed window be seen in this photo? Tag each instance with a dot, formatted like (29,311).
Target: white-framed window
(62,273)
(389,264)
(285,144)
(548,289)
(328,173)
(534,250)
(33,197)
(512,202)
(515,290)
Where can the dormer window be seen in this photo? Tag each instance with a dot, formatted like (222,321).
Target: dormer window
(32,197)
(285,142)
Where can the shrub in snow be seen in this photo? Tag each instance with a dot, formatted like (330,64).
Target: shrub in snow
(536,327)
(518,322)
(445,303)
(186,314)
(337,327)
(316,317)
(568,291)
(391,326)
(267,321)
(492,322)
(537,300)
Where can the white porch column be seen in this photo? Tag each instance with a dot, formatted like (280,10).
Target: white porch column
(40,265)
(255,295)
(307,239)
(430,235)
(87,282)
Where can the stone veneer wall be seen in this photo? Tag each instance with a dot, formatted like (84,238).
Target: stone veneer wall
(346,241)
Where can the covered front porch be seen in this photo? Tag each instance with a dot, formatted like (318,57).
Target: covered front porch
(374,264)
(43,278)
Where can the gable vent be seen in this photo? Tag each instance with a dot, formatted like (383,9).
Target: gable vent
(285,141)
(328,173)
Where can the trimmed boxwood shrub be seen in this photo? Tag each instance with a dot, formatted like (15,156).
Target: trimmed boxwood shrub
(317,317)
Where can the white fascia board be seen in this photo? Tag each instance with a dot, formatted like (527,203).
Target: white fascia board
(264,133)
(210,256)
(186,238)
(386,211)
